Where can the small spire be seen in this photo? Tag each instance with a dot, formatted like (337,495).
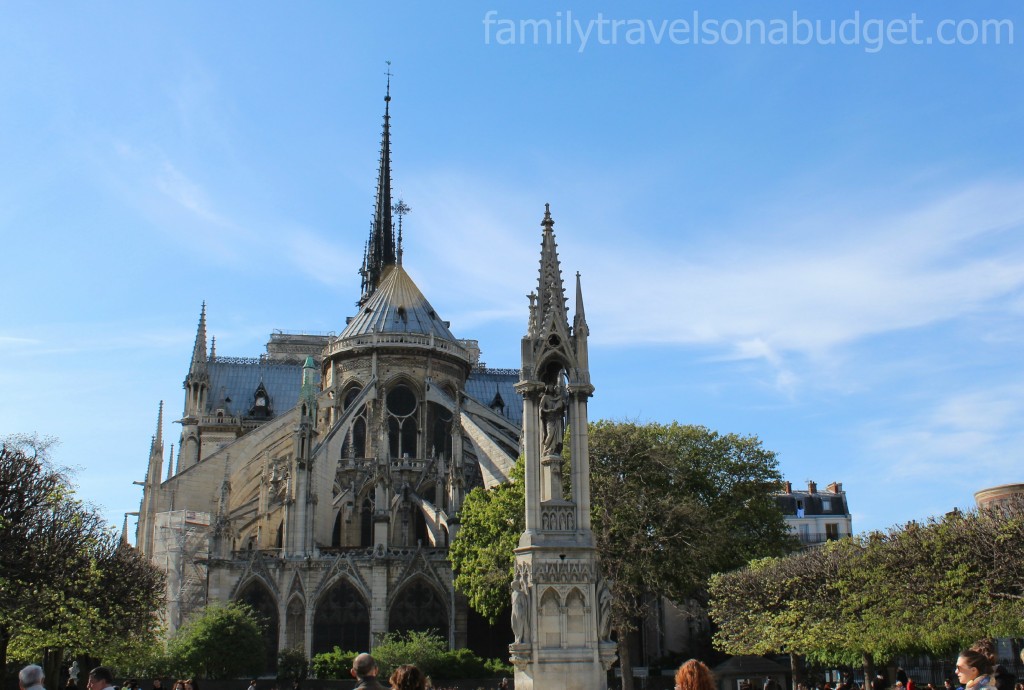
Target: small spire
(170,463)
(158,439)
(124,531)
(551,300)
(199,350)
(213,348)
(579,325)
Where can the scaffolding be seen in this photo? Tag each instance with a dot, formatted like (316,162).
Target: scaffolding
(181,547)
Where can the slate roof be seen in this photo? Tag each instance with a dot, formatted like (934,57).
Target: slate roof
(233,383)
(812,503)
(397,306)
(483,384)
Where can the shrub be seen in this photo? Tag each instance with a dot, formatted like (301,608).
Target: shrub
(335,664)
(292,664)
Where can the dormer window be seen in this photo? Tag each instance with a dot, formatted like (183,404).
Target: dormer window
(260,404)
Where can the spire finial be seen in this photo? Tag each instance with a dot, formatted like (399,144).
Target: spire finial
(387,95)
(548,223)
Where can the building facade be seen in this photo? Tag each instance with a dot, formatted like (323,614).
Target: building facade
(815,516)
(320,482)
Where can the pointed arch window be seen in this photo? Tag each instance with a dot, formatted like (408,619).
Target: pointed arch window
(354,445)
(402,425)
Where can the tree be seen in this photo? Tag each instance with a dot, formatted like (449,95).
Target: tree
(66,580)
(932,588)
(491,522)
(671,504)
(223,641)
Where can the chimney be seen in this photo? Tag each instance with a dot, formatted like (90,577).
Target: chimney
(811,487)
(835,487)
(789,487)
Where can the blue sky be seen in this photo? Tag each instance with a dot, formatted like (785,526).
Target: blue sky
(820,244)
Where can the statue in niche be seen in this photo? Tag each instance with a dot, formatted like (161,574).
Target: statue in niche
(552,414)
(520,609)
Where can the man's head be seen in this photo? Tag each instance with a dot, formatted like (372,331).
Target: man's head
(364,666)
(99,678)
(29,676)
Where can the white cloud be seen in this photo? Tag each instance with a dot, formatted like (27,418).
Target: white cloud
(841,274)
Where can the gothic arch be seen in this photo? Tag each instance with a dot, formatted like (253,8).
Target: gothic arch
(575,618)
(354,445)
(549,626)
(295,623)
(342,618)
(260,597)
(418,605)
(403,411)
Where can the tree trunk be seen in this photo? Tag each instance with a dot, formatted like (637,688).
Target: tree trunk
(624,662)
(53,659)
(796,666)
(868,662)
(5,638)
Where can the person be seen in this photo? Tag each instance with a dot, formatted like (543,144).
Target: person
(974,667)
(364,670)
(100,678)
(191,684)
(770,684)
(879,682)
(408,677)
(252,684)
(158,684)
(694,675)
(179,685)
(31,677)
(503,685)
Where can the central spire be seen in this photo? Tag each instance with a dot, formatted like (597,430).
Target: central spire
(380,250)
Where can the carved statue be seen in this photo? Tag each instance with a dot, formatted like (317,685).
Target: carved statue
(604,611)
(552,413)
(520,610)
(73,671)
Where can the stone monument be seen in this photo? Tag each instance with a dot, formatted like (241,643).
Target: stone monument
(560,605)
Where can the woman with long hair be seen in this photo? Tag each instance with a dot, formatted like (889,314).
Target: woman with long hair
(407,677)
(694,675)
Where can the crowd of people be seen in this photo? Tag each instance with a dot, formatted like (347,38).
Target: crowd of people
(976,669)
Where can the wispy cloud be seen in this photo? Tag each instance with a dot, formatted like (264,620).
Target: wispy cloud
(843,274)
(982,430)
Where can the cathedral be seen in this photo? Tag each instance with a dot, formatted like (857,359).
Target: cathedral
(320,481)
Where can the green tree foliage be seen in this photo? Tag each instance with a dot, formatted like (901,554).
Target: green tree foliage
(66,581)
(490,524)
(224,641)
(931,588)
(671,504)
